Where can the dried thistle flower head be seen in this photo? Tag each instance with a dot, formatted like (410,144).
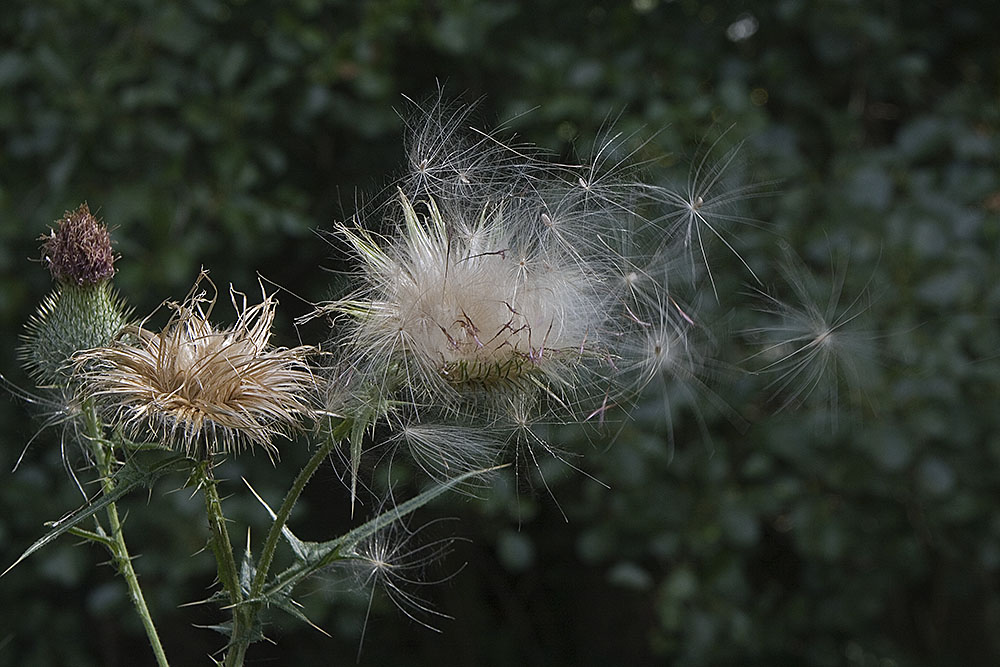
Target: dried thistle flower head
(79,251)
(205,390)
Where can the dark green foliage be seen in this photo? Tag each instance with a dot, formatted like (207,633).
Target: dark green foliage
(221,134)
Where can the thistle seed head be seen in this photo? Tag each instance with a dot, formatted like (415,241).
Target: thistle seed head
(204,389)
(507,291)
(466,305)
(498,284)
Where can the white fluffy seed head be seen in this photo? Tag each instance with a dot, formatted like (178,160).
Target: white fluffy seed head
(506,290)
(457,305)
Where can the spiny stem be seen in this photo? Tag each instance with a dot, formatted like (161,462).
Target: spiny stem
(283,513)
(240,643)
(119,551)
(222,548)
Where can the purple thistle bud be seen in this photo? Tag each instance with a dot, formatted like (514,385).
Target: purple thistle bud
(79,252)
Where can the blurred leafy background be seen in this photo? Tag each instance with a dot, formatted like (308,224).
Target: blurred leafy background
(224,133)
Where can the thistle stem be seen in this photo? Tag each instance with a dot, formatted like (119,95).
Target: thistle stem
(119,551)
(285,511)
(222,548)
(238,646)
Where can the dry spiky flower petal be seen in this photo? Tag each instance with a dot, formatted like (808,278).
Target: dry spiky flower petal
(203,389)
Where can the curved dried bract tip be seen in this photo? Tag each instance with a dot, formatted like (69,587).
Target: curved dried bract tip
(200,388)
(814,349)
(79,251)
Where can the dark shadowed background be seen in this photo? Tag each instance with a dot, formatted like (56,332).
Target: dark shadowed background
(223,134)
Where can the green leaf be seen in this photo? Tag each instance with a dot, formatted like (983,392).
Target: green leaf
(91,536)
(138,471)
(313,556)
(365,418)
(248,568)
(296,543)
(293,608)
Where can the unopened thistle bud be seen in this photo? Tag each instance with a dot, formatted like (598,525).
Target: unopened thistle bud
(82,311)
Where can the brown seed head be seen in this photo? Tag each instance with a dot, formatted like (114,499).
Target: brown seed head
(79,251)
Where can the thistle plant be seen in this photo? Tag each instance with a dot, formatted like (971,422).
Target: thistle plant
(80,313)
(496,292)
(147,403)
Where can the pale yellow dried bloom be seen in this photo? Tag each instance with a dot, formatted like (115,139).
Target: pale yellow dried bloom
(199,388)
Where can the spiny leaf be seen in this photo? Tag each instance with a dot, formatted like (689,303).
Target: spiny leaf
(225,629)
(248,569)
(367,417)
(140,470)
(295,542)
(313,556)
(91,536)
(356,439)
(293,608)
